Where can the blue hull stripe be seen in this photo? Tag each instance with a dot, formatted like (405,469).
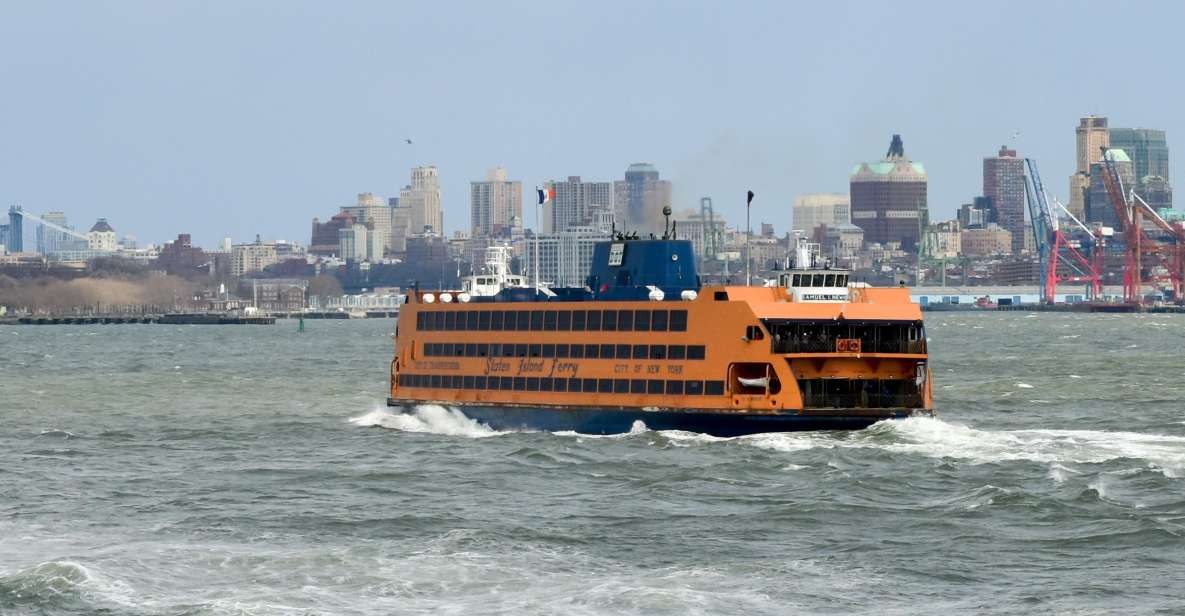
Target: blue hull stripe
(594,420)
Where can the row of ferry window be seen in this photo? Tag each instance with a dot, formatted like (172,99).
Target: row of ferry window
(553,320)
(819,280)
(564,351)
(571,385)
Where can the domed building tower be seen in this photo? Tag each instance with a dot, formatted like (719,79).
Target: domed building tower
(888,198)
(101,237)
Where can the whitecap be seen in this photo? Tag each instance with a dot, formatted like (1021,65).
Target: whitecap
(430,418)
(1024,386)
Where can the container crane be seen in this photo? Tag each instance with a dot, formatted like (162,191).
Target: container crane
(1166,249)
(1054,247)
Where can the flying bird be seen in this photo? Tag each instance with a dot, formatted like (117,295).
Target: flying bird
(408,141)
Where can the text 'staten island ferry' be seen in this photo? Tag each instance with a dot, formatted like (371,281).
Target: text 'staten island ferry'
(643,341)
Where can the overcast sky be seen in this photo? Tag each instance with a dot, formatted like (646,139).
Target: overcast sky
(237,118)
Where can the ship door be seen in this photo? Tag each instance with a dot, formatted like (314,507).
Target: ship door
(753,379)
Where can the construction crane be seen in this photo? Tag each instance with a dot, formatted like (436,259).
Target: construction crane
(1166,250)
(711,236)
(1055,248)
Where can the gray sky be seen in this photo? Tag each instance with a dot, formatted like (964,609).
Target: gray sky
(237,118)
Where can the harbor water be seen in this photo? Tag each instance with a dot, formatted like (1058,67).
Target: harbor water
(154,469)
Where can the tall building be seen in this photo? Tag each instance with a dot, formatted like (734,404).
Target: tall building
(353,241)
(577,204)
(1091,137)
(49,239)
(565,257)
(814,209)
(1098,202)
(101,237)
(888,198)
(325,241)
(1004,185)
(376,215)
(495,203)
(247,258)
(1147,148)
(421,198)
(640,199)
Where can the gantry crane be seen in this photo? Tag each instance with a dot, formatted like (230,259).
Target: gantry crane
(1055,248)
(1167,249)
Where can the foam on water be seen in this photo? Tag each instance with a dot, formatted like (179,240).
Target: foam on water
(940,439)
(430,418)
(59,583)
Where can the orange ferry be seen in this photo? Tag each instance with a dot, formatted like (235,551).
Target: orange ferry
(644,341)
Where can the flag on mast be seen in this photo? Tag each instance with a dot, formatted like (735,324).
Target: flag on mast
(546,193)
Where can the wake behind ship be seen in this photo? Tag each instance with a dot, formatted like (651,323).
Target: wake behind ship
(644,341)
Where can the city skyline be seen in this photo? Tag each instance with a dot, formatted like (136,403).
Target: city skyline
(136,118)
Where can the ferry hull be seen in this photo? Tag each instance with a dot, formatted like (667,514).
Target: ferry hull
(601,420)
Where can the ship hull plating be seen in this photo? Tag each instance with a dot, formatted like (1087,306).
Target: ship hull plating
(604,420)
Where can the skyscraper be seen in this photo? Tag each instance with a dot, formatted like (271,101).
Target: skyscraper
(888,198)
(371,209)
(814,209)
(577,204)
(640,199)
(1091,137)
(1004,185)
(1098,202)
(1148,148)
(495,203)
(422,200)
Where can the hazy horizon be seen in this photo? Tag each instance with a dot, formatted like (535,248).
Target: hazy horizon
(243,119)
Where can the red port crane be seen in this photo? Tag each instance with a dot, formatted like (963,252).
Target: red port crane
(1055,248)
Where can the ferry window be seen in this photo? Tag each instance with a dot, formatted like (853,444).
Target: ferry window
(450,321)
(438,323)
(578,321)
(658,351)
(829,280)
(507,383)
(565,322)
(842,280)
(592,351)
(625,320)
(479,382)
(435,381)
(623,351)
(654,386)
(520,383)
(638,386)
(549,350)
(817,280)
(609,320)
(714,388)
(560,385)
(544,384)
(577,351)
(549,319)
(496,320)
(695,351)
(533,383)
(621,386)
(471,349)
(721,296)
(677,351)
(509,320)
(430,349)
(796,280)
(493,383)
(594,320)
(678,320)
(589,386)
(508,350)
(607,351)
(420,321)
(459,350)
(495,350)
(483,350)
(694,388)
(537,320)
(574,385)
(520,350)
(467,382)
(641,351)
(524,320)
(535,350)
(483,320)
(674,388)
(605,386)
(658,320)
(561,351)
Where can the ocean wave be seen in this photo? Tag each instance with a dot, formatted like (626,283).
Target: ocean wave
(429,418)
(61,585)
(939,439)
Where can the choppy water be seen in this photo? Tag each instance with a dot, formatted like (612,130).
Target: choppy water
(252,470)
